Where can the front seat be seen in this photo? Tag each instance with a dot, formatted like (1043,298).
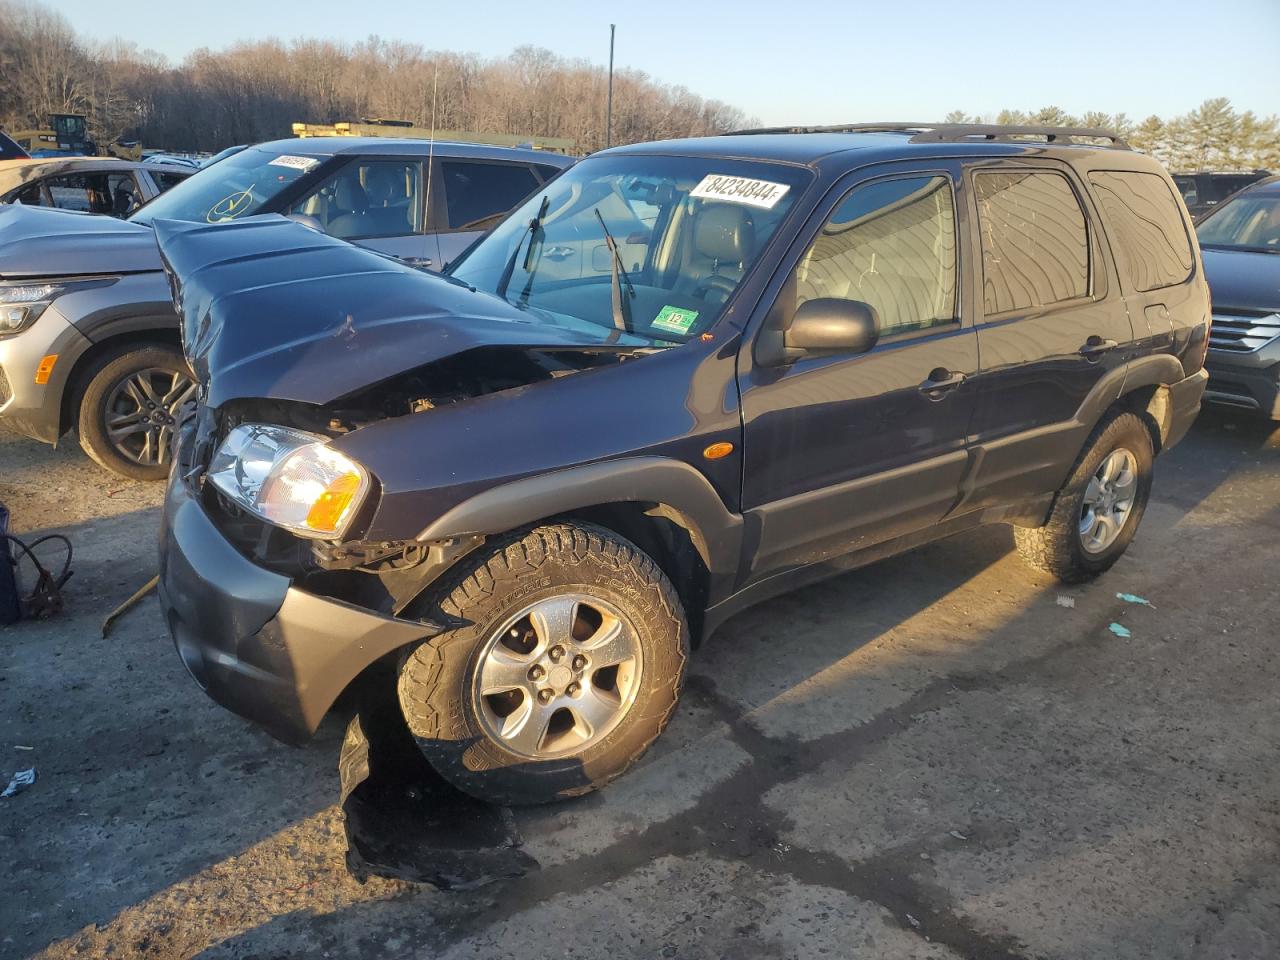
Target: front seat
(724,237)
(350,197)
(388,213)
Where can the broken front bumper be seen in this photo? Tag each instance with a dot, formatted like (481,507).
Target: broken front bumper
(258,645)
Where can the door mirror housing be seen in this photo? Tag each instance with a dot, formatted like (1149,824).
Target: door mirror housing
(831,325)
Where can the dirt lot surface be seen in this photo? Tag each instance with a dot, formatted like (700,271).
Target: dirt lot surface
(941,756)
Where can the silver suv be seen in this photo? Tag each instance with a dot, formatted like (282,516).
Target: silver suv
(88,336)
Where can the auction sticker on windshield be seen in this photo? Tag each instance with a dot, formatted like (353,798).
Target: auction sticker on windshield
(755,193)
(295,163)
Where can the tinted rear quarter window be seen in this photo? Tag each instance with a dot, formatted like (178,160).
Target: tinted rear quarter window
(1147,232)
(1035,242)
(167,181)
(478,192)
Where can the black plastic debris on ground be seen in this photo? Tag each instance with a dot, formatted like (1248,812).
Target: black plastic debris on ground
(404,821)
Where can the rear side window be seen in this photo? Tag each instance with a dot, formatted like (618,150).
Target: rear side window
(1146,228)
(114,194)
(892,244)
(166,181)
(477,193)
(1035,244)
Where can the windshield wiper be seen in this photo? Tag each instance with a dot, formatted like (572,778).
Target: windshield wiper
(535,225)
(621,307)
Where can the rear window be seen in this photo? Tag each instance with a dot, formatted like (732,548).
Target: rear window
(1146,228)
(478,193)
(1035,244)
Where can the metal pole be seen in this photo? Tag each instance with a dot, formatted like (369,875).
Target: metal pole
(608,114)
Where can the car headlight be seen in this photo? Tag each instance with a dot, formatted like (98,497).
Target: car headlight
(289,478)
(22,303)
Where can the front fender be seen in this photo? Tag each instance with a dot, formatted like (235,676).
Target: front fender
(715,531)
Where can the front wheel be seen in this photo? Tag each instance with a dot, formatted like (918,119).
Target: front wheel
(1096,514)
(566,667)
(130,408)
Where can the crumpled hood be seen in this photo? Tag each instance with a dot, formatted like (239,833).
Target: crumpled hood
(1242,279)
(43,242)
(273,309)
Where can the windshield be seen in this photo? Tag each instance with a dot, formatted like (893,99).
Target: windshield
(1249,222)
(674,235)
(235,187)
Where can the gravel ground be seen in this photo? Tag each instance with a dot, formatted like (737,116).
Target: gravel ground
(936,757)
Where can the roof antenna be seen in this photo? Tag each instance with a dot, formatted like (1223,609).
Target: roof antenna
(431,144)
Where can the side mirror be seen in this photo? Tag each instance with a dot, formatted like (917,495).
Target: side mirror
(828,324)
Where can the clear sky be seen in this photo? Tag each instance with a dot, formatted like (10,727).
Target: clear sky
(803,62)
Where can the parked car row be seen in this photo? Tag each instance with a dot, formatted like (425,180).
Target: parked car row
(675,380)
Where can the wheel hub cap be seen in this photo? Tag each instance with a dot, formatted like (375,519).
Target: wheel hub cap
(557,677)
(1108,500)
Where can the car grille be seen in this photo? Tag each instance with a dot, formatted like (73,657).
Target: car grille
(1243,331)
(6,394)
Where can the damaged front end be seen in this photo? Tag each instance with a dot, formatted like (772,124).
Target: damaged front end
(275,592)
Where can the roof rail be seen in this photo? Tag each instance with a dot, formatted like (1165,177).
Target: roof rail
(959,132)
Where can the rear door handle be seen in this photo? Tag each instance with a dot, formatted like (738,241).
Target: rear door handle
(1095,347)
(940,383)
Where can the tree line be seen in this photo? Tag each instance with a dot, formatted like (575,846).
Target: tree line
(254,91)
(1213,136)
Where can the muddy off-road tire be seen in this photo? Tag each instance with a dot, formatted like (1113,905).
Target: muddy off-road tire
(1096,513)
(130,408)
(566,669)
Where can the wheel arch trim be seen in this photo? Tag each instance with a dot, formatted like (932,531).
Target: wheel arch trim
(687,495)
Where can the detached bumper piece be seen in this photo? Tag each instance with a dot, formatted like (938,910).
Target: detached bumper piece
(266,650)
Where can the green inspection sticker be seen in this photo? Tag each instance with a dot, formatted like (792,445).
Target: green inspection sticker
(674,319)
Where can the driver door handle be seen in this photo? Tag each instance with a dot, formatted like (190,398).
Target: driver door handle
(940,383)
(1095,347)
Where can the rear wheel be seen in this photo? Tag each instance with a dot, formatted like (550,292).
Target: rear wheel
(566,668)
(1096,514)
(130,408)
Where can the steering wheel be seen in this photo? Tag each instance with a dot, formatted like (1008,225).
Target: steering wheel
(722,285)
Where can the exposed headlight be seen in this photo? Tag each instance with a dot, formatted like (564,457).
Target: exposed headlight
(22,303)
(289,478)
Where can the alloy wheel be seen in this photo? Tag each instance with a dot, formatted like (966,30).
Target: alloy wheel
(1108,500)
(557,677)
(142,410)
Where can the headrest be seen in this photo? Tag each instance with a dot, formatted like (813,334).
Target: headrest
(724,232)
(381,183)
(349,195)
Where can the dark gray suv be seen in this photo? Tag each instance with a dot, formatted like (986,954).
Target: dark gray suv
(680,379)
(88,337)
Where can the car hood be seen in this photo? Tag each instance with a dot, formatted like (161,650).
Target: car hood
(43,242)
(1242,280)
(272,309)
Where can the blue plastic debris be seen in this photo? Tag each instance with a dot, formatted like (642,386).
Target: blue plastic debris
(1134,598)
(1121,632)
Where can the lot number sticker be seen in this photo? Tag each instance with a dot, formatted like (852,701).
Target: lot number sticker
(294,163)
(674,319)
(754,193)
